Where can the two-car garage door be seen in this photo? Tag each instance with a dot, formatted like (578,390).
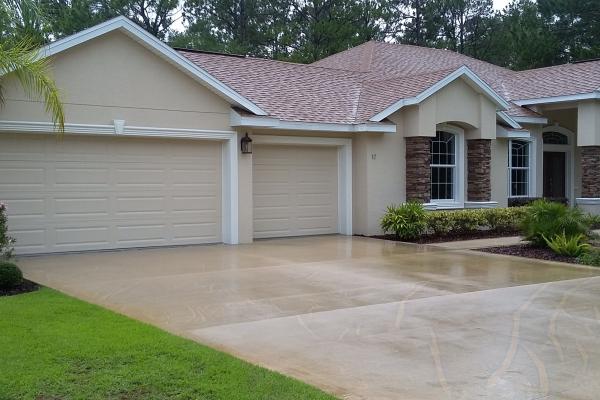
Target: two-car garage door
(81,193)
(295,190)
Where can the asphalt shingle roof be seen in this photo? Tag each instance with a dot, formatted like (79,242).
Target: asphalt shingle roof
(354,85)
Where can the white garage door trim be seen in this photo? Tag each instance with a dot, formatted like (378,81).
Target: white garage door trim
(229,139)
(344,147)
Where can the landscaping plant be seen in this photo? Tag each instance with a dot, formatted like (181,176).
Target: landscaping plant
(549,219)
(407,221)
(463,222)
(10,275)
(592,257)
(6,242)
(571,246)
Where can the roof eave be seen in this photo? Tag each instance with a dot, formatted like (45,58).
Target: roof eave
(462,72)
(155,45)
(595,95)
(238,120)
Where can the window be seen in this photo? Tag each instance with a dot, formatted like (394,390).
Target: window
(443,166)
(518,167)
(555,138)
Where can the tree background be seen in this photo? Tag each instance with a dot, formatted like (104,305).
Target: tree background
(526,34)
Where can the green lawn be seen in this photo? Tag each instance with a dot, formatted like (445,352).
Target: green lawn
(55,347)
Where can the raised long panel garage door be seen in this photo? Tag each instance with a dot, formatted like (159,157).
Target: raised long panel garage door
(85,193)
(295,190)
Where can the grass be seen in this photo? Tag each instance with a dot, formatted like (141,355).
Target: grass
(56,347)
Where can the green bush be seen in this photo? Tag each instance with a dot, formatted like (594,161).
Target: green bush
(572,246)
(461,222)
(440,222)
(10,275)
(504,219)
(592,258)
(593,221)
(6,242)
(548,219)
(406,221)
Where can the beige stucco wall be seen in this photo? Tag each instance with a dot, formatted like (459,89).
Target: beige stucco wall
(115,78)
(457,102)
(499,172)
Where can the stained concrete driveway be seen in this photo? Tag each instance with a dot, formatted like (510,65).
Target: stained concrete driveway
(362,318)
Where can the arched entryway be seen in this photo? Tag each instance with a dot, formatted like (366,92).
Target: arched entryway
(558,162)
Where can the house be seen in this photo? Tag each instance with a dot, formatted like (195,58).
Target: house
(152,155)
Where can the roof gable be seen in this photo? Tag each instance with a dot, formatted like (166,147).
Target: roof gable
(461,73)
(161,49)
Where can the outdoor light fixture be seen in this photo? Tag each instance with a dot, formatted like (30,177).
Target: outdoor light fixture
(246,144)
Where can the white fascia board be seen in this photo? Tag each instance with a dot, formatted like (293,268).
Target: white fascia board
(531,120)
(463,71)
(503,133)
(507,119)
(595,95)
(238,120)
(158,47)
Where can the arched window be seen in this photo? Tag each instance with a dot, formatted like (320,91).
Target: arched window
(555,138)
(443,166)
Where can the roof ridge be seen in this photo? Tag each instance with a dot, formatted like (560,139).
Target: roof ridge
(567,64)
(392,77)
(267,60)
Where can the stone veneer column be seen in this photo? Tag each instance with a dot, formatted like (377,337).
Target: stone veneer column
(590,171)
(479,156)
(418,168)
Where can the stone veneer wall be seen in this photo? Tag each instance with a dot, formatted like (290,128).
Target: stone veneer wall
(418,168)
(479,157)
(590,171)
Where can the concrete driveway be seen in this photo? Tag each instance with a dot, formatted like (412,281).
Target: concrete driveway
(362,318)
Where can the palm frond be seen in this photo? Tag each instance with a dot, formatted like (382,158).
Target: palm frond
(33,73)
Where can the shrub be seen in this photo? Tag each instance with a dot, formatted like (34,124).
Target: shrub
(504,219)
(526,201)
(6,242)
(572,246)
(550,219)
(468,221)
(407,221)
(592,258)
(10,275)
(440,222)
(593,221)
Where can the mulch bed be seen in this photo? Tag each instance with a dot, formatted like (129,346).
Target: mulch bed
(529,251)
(425,239)
(25,287)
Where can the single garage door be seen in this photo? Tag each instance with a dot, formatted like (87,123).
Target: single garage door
(87,193)
(295,190)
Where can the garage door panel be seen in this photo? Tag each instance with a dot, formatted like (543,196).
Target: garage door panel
(295,190)
(127,196)
(19,175)
(81,207)
(77,236)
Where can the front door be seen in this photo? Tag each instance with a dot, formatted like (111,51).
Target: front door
(554,174)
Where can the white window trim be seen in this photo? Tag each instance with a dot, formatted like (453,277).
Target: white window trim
(531,187)
(344,147)
(459,170)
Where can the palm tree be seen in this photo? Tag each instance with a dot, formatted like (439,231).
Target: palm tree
(19,58)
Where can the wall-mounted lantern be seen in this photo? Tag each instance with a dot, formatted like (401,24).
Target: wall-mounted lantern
(246,145)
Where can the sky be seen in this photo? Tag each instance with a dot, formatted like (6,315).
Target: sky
(500,4)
